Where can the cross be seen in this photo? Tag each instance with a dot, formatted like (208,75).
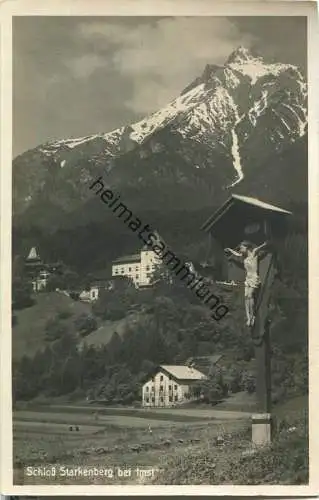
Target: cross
(239,218)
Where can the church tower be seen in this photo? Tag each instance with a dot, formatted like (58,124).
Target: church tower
(33,256)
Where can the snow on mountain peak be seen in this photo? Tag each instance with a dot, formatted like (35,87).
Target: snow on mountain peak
(241,55)
(220,109)
(162,117)
(255,67)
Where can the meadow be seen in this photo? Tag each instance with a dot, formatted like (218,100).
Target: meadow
(110,437)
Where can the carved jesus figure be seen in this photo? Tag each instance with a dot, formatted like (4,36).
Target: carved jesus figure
(249,255)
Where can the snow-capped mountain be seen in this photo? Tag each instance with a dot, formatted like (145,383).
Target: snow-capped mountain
(220,130)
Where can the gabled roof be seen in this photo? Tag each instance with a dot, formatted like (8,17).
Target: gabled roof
(231,222)
(182,372)
(237,199)
(259,203)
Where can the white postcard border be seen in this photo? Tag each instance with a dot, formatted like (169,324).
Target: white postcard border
(173,8)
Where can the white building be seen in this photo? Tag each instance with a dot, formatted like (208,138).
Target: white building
(37,270)
(90,295)
(170,385)
(40,282)
(139,267)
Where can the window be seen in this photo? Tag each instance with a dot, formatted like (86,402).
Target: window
(161,388)
(147,400)
(170,398)
(130,269)
(152,389)
(147,268)
(147,389)
(122,271)
(175,387)
(170,387)
(116,271)
(162,400)
(153,400)
(162,378)
(175,398)
(136,276)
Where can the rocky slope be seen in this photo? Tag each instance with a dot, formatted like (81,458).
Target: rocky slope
(240,127)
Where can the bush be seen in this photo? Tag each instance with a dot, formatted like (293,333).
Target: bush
(85,324)
(54,329)
(249,383)
(284,462)
(211,390)
(64,314)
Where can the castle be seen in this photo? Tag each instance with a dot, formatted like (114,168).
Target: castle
(139,267)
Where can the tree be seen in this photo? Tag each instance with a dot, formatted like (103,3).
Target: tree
(162,276)
(18,267)
(21,294)
(71,280)
(235,379)
(115,304)
(55,281)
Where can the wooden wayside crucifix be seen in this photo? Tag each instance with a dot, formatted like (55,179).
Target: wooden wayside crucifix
(252,226)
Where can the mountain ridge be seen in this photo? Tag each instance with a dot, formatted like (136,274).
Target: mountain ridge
(231,128)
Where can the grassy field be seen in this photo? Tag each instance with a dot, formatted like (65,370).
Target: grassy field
(177,446)
(27,341)
(103,334)
(115,437)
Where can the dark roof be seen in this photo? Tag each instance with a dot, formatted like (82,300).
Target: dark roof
(204,363)
(127,258)
(235,200)
(261,204)
(228,223)
(208,359)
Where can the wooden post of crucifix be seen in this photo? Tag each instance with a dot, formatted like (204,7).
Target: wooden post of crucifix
(247,228)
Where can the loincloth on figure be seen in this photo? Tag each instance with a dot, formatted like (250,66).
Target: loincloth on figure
(252,284)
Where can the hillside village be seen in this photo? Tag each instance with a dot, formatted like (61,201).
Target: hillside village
(136,270)
(138,306)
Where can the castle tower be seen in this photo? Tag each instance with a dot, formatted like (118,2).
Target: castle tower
(33,256)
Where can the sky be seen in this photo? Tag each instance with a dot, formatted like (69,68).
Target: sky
(77,76)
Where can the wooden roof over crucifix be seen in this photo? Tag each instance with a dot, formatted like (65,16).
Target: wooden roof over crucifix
(228,223)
